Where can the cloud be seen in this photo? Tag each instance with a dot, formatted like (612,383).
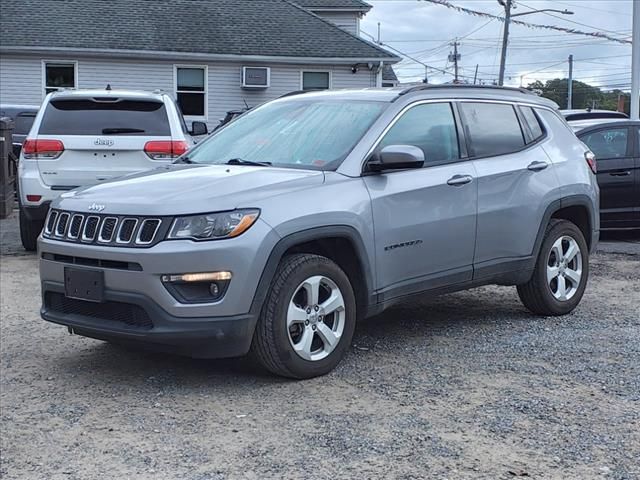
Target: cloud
(424,31)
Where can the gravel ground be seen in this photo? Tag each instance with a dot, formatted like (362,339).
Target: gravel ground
(468,385)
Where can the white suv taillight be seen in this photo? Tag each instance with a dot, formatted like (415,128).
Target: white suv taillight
(165,149)
(42,149)
(590,157)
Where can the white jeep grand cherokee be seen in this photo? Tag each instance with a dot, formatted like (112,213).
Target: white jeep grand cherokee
(84,137)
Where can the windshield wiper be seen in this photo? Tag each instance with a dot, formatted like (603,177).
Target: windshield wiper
(240,161)
(184,159)
(111,131)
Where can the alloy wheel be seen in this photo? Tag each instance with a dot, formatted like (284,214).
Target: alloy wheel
(564,268)
(316,318)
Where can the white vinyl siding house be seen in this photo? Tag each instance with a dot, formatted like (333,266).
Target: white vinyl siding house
(202,69)
(349,21)
(223,80)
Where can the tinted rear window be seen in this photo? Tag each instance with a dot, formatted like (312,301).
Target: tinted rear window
(493,128)
(95,117)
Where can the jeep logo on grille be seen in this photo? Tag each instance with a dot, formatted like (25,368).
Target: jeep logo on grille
(103,142)
(96,207)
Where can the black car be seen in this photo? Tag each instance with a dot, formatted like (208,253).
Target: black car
(23,117)
(617,149)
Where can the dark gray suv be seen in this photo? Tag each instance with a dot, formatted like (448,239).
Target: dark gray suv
(285,226)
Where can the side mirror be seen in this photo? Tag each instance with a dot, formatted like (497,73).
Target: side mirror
(199,128)
(396,157)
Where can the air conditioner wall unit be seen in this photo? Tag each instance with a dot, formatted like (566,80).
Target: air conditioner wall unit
(256,77)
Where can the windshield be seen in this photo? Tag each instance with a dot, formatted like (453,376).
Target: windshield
(298,134)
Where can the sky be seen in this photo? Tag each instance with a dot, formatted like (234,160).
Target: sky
(425,32)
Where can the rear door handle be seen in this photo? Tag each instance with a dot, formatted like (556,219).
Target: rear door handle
(620,174)
(537,166)
(458,180)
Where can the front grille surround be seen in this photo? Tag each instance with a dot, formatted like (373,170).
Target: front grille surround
(125,232)
(106,230)
(75,226)
(61,224)
(51,222)
(90,229)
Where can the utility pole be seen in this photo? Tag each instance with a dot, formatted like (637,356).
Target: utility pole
(475,75)
(635,63)
(508,5)
(570,84)
(455,57)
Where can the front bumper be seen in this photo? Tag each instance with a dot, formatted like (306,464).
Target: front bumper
(198,337)
(138,308)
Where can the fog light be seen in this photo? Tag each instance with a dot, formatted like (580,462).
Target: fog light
(197,277)
(204,287)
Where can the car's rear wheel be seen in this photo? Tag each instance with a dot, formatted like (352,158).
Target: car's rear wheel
(561,271)
(29,231)
(308,319)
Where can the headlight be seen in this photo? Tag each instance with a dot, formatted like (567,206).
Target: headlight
(213,226)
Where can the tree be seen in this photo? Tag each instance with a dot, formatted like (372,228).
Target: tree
(584,95)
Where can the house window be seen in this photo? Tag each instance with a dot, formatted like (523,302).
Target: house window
(191,90)
(316,80)
(59,75)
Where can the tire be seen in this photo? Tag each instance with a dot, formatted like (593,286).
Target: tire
(288,298)
(29,232)
(543,293)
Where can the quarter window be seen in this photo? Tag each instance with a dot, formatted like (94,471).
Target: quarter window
(316,80)
(59,75)
(191,90)
(493,128)
(532,122)
(610,143)
(430,127)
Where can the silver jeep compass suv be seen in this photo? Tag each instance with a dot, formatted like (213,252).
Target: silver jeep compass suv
(274,235)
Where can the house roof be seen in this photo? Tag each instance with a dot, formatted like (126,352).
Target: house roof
(254,28)
(348,5)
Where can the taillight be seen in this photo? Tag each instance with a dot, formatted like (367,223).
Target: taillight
(43,149)
(590,157)
(165,149)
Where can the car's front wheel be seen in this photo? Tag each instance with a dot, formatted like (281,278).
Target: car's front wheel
(561,271)
(308,318)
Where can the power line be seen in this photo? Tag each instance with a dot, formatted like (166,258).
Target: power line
(469,11)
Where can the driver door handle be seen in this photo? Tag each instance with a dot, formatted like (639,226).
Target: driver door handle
(537,166)
(459,180)
(620,174)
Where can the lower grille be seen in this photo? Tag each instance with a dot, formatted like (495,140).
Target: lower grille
(126,313)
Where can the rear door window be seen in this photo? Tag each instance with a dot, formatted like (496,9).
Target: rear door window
(608,143)
(492,128)
(105,117)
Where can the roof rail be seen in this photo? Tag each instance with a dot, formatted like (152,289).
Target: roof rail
(417,88)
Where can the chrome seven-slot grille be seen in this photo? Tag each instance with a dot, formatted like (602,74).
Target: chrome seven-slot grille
(114,230)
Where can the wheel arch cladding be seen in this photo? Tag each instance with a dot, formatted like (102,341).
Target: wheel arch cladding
(340,243)
(578,209)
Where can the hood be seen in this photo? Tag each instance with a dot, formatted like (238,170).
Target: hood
(187,189)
